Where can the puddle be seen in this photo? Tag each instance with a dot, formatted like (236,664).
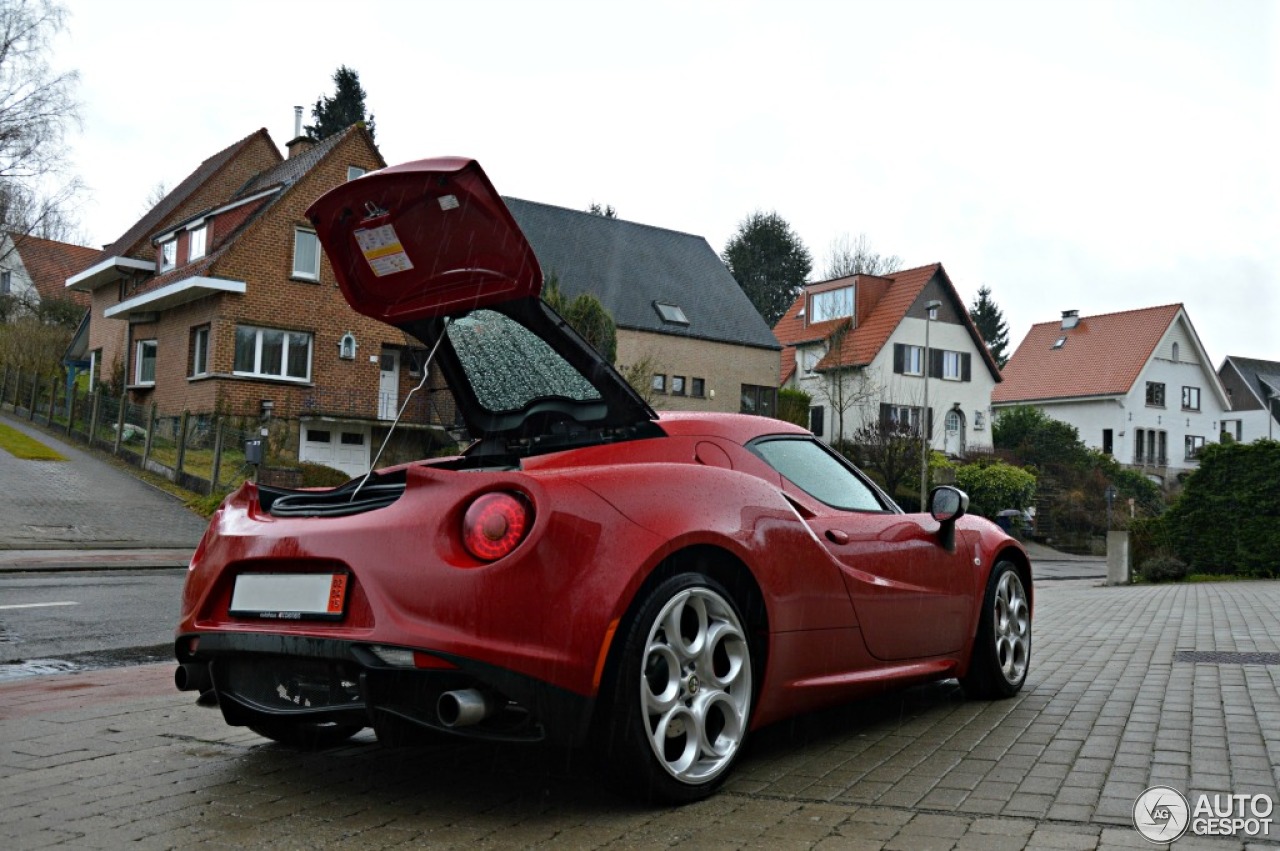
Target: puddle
(35,667)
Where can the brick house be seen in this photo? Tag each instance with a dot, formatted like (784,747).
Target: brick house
(219,300)
(675,305)
(1137,385)
(857,346)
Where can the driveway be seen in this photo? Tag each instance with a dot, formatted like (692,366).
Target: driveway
(85,503)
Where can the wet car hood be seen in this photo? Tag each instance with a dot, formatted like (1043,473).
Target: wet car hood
(430,248)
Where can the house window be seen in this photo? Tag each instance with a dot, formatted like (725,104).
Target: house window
(6,284)
(908,360)
(272,353)
(816,415)
(1190,398)
(902,417)
(200,351)
(832,304)
(671,313)
(145,368)
(319,436)
(196,245)
(951,366)
(1233,429)
(677,385)
(758,400)
(354,171)
(1151,447)
(1108,442)
(1155,394)
(168,255)
(809,358)
(1060,342)
(1195,444)
(698,387)
(659,383)
(306,255)
(352,438)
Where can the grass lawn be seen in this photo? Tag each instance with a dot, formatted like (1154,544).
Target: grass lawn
(19,445)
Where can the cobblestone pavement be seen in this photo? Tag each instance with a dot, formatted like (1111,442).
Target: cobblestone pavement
(85,502)
(115,758)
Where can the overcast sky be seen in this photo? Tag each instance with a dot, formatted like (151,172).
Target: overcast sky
(1075,155)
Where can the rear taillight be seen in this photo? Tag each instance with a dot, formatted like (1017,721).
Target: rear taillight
(495,524)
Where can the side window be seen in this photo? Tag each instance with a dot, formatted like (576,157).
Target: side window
(817,471)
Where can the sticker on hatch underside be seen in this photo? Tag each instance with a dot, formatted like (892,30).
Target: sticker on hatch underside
(382,249)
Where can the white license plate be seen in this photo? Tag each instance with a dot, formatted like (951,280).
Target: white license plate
(290,596)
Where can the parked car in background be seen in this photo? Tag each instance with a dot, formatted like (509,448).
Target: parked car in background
(652,587)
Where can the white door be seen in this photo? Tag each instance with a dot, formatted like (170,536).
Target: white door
(954,424)
(389,384)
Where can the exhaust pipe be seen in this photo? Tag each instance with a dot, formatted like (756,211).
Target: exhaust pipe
(193,676)
(464,707)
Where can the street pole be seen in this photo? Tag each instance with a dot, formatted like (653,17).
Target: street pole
(931,312)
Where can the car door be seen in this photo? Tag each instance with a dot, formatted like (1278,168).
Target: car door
(911,595)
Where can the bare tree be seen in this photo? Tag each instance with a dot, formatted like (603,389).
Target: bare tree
(37,108)
(890,442)
(856,257)
(842,388)
(639,374)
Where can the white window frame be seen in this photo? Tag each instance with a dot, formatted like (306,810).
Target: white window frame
(313,273)
(951,365)
(809,357)
(168,254)
(913,360)
(910,412)
(197,242)
(832,304)
(199,351)
(257,372)
(140,359)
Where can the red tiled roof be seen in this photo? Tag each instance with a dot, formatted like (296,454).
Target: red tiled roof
(50,263)
(1102,356)
(882,304)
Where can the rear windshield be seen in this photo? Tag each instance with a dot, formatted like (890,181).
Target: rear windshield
(508,366)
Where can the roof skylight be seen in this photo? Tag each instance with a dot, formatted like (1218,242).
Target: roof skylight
(671,313)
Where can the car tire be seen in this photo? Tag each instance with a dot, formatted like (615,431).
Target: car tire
(1002,647)
(305,735)
(678,704)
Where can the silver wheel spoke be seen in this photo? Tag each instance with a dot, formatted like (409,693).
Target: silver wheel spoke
(696,685)
(1011,627)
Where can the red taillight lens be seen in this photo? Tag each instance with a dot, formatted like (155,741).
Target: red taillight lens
(494,524)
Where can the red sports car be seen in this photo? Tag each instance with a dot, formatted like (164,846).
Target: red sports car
(650,586)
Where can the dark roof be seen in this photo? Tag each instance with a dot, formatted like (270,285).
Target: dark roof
(1256,374)
(630,266)
(287,172)
(146,226)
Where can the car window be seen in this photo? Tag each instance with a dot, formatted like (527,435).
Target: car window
(508,366)
(814,469)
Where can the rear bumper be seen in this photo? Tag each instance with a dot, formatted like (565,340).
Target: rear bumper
(258,676)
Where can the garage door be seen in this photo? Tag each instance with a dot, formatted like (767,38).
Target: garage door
(343,447)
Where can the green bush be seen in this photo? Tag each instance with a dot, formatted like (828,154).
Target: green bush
(793,406)
(320,476)
(995,485)
(1163,568)
(1227,519)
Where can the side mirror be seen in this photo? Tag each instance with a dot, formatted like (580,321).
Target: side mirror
(947,505)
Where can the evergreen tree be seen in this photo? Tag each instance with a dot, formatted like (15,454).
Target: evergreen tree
(346,107)
(606,211)
(769,262)
(989,318)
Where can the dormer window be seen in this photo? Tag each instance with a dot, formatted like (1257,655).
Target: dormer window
(168,255)
(832,304)
(671,313)
(196,246)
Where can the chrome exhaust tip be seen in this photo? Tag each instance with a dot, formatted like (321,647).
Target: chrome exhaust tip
(464,707)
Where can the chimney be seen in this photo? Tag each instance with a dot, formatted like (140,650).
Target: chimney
(299,144)
(1070,319)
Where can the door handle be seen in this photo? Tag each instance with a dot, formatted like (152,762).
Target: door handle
(836,536)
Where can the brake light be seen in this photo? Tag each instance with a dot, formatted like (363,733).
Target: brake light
(495,524)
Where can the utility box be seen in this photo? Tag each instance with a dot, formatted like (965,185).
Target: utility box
(1119,571)
(253,451)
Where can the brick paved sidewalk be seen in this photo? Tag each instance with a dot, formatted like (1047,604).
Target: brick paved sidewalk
(114,758)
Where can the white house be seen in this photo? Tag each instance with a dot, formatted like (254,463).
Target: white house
(1136,384)
(1253,386)
(857,346)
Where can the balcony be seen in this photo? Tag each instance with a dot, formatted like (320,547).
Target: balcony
(431,408)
